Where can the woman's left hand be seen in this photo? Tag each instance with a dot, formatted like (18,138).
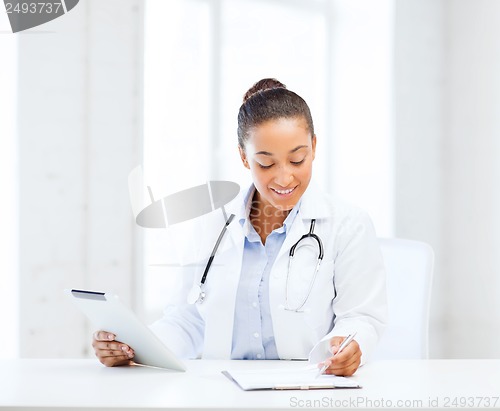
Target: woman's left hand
(346,362)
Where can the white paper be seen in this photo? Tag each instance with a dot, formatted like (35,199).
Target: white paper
(303,378)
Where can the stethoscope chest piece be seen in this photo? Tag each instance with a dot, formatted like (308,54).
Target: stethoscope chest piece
(196,295)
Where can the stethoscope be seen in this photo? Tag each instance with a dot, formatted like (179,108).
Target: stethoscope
(198,293)
(291,256)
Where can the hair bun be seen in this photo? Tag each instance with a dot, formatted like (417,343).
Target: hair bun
(262,85)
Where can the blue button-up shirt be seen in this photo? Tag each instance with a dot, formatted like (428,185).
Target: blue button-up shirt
(253,336)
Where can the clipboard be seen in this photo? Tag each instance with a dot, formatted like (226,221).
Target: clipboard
(287,379)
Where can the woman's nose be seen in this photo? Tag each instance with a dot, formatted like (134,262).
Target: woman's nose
(284,177)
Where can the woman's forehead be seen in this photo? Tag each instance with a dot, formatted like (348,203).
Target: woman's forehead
(283,134)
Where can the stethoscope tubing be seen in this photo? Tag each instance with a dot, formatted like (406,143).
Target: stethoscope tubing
(216,246)
(291,256)
(310,234)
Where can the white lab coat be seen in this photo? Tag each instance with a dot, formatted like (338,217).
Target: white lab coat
(352,259)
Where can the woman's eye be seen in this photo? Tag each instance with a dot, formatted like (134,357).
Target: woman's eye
(265,167)
(296,163)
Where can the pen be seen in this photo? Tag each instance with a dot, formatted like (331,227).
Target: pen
(344,344)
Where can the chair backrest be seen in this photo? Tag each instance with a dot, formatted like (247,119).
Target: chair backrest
(409,265)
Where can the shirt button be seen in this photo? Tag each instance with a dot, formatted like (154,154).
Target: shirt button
(256,335)
(259,356)
(254,304)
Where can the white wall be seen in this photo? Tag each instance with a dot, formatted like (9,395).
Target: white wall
(9,300)
(447,167)
(80,134)
(471,148)
(419,123)
(361,145)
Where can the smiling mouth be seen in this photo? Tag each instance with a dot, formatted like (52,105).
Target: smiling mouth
(284,192)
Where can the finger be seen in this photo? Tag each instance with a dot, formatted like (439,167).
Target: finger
(104,336)
(114,349)
(346,368)
(347,363)
(123,362)
(320,364)
(345,356)
(335,343)
(347,352)
(110,361)
(340,368)
(326,363)
(344,372)
(115,361)
(108,345)
(115,354)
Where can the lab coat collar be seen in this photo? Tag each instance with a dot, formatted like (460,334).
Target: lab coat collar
(244,219)
(312,204)
(245,210)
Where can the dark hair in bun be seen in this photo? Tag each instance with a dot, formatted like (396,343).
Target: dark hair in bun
(269,99)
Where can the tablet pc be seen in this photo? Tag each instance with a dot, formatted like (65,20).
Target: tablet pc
(106,312)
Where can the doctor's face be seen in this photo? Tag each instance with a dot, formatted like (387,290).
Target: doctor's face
(279,154)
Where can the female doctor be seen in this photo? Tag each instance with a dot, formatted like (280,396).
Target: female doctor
(295,271)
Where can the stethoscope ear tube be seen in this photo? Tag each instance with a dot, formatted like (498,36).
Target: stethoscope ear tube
(216,246)
(198,294)
(310,234)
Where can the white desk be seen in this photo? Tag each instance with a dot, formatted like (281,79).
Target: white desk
(86,384)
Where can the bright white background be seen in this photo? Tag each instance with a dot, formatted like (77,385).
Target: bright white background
(405,96)
(221,49)
(8,185)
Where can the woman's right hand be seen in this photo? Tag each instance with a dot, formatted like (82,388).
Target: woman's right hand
(111,352)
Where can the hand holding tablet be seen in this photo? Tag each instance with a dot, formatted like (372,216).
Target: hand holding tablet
(122,337)
(111,352)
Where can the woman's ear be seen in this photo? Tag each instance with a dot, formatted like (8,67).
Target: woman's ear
(243,156)
(313,142)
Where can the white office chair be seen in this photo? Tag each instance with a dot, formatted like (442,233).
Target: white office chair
(409,265)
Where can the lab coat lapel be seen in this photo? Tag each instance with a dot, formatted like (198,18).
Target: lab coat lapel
(219,320)
(295,231)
